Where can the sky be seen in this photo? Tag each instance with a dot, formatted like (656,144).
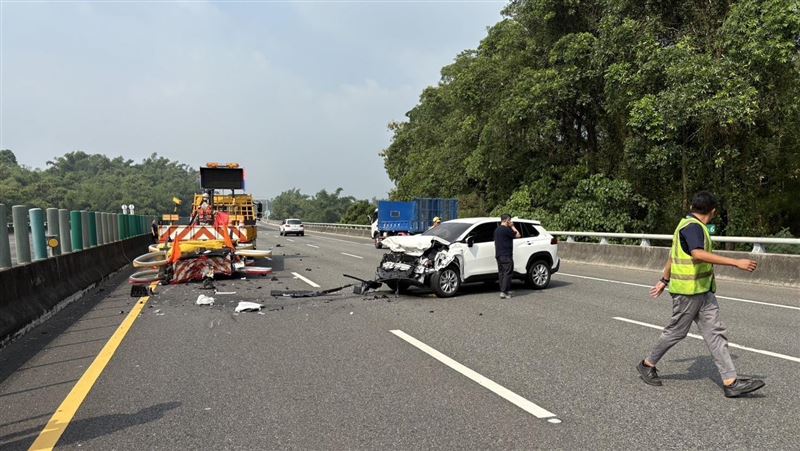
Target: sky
(298,93)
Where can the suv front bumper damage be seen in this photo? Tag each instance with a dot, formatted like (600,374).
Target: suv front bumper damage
(414,269)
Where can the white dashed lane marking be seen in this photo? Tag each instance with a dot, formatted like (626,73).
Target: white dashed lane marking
(481,380)
(698,337)
(351,255)
(306,280)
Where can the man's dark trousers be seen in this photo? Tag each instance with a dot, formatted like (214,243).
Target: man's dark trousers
(505,266)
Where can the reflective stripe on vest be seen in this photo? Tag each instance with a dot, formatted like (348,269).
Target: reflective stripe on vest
(690,276)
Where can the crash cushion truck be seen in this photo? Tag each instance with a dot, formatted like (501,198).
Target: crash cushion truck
(410,218)
(223,193)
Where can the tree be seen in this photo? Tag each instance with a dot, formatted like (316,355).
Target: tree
(78,181)
(611,114)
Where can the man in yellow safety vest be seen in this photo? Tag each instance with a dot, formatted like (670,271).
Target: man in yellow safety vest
(690,276)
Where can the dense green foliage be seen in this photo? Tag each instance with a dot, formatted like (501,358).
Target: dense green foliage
(78,181)
(607,115)
(321,207)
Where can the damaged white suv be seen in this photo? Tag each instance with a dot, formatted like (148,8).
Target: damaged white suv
(461,251)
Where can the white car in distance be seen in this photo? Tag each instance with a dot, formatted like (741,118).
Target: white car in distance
(461,251)
(292,226)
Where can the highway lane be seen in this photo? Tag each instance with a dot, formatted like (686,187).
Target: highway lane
(315,375)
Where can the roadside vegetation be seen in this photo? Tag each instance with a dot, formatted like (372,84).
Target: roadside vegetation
(607,115)
(79,181)
(321,207)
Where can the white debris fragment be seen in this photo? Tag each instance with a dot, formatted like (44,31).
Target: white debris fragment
(204,300)
(225,292)
(246,306)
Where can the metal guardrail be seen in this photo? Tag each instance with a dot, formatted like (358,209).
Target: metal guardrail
(339,226)
(645,239)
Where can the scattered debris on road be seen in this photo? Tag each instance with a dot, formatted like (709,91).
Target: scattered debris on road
(224,292)
(247,306)
(286,293)
(204,300)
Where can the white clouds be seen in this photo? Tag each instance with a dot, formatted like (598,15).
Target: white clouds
(299,94)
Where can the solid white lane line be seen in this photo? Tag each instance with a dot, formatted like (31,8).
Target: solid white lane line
(311,245)
(483,381)
(351,255)
(290,240)
(732,345)
(649,286)
(308,281)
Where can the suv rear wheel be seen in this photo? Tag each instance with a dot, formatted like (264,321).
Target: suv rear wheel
(446,282)
(539,275)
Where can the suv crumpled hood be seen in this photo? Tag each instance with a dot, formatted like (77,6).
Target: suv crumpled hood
(414,245)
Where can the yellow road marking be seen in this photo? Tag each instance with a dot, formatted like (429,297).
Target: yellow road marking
(58,423)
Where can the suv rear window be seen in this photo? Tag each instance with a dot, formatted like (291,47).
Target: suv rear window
(294,221)
(527,230)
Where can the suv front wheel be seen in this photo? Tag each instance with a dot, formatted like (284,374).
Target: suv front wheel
(445,283)
(539,275)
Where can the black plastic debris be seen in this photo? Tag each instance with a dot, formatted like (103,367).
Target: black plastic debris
(366,285)
(306,293)
(138,291)
(208,284)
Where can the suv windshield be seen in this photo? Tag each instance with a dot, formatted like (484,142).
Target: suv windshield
(293,221)
(448,231)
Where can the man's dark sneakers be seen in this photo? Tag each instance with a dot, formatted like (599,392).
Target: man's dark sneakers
(741,386)
(649,374)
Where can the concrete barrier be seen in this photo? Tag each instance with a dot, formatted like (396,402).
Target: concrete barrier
(773,269)
(27,292)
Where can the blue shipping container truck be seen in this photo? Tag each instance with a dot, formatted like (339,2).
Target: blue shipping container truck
(412,217)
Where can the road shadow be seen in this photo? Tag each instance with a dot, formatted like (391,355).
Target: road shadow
(703,367)
(16,354)
(487,287)
(90,428)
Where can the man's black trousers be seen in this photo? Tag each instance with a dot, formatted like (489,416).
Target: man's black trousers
(505,266)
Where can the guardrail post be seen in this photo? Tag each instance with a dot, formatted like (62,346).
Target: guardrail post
(107,222)
(645,243)
(53,230)
(603,240)
(92,228)
(37,234)
(104,227)
(76,230)
(98,230)
(85,229)
(125,226)
(63,225)
(21,239)
(5,246)
(758,249)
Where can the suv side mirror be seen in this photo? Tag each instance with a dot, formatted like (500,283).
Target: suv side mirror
(470,241)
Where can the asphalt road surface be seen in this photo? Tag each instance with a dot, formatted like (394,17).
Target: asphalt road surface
(547,369)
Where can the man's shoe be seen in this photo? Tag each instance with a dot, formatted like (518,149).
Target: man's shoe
(502,295)
(649,374)
(741,386)
(508,295)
